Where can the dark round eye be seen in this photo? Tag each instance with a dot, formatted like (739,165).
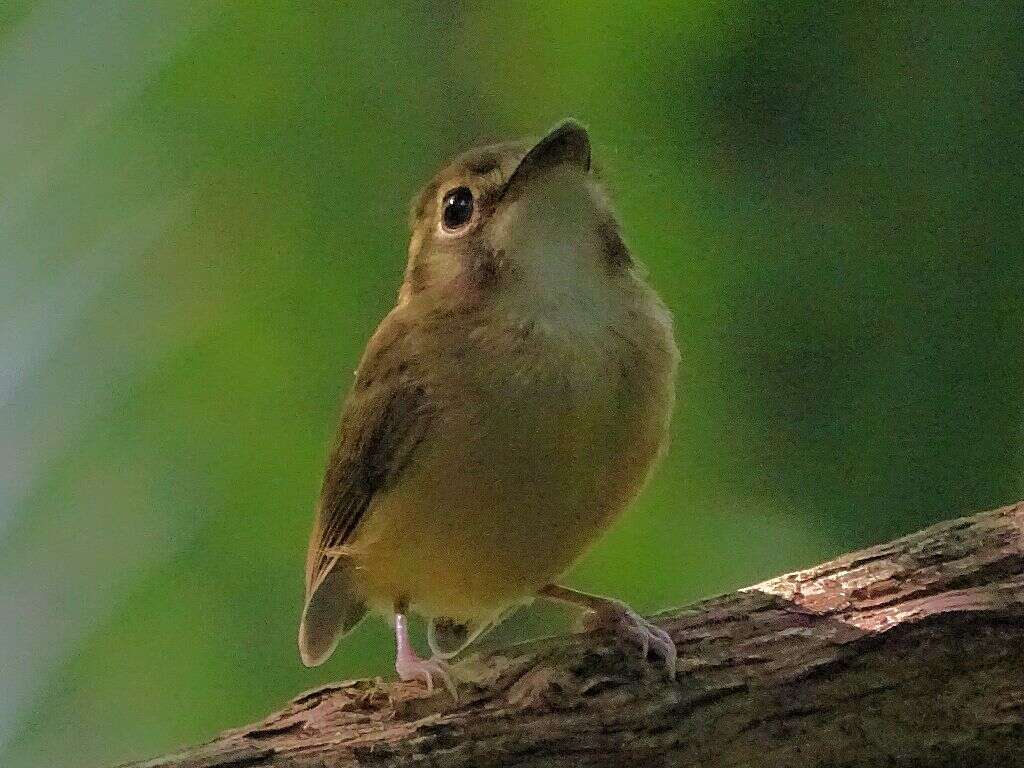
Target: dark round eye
(457,208)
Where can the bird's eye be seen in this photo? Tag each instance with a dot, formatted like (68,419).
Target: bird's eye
(457,209)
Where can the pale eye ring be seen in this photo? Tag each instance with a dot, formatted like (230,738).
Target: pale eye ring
(457,209)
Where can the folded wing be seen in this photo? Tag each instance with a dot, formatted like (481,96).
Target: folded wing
(384,418)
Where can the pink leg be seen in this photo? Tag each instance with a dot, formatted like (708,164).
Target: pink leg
(411,667)
(618,616)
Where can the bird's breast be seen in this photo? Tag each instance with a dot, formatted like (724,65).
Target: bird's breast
(539,442)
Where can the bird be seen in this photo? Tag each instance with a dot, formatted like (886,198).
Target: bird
(504,414)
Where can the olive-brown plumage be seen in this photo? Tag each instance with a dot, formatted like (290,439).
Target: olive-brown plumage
(505,412)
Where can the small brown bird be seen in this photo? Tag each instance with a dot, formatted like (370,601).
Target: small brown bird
(505,412)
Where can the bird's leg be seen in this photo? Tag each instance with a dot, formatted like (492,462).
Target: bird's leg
(616,615)
(410,666)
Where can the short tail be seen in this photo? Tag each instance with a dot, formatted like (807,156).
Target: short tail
(333,608)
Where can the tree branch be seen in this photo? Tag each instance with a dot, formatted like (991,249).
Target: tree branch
(905,654)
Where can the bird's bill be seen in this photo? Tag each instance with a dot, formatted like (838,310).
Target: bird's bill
(567,143)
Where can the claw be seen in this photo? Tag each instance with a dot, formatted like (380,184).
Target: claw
(411,667)
(633,627)
(623,620)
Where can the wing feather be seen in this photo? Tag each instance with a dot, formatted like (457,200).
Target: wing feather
(384,418)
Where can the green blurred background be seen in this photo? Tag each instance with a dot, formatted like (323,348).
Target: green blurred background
(203,217)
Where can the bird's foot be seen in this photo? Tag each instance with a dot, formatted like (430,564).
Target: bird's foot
(634,628)
(411,667)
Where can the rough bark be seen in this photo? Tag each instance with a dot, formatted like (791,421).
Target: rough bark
(905,654)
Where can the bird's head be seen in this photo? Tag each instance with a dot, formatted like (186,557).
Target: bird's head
(521,224)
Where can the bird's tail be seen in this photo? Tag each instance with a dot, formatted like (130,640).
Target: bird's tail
(333,608)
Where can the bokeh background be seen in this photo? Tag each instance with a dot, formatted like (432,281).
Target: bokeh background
(203,217)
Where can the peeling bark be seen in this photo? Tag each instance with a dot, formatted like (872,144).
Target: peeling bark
(905,654)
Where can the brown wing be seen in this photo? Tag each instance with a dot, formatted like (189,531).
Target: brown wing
(384,418)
